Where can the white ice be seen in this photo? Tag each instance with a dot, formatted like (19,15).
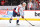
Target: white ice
(23,23)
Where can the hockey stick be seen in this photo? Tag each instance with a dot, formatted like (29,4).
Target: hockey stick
(29,23)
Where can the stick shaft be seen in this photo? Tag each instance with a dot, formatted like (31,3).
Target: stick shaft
(29,22)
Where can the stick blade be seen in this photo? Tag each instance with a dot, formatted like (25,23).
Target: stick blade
(33,25)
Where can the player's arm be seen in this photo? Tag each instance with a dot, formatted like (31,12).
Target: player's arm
(21,12)
(17,10)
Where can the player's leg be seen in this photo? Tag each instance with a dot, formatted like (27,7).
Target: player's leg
(10,20)
(17,22)
(18,16)
(14,14)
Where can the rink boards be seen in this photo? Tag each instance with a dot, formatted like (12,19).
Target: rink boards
(31,15)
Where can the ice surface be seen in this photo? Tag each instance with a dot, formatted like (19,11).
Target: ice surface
(23,23)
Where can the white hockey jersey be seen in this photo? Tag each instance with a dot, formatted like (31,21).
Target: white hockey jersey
(20,9)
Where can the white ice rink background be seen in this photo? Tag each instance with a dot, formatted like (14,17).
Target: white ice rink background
(23,23)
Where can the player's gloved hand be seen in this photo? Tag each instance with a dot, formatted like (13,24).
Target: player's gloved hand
(23,17)
(18,13)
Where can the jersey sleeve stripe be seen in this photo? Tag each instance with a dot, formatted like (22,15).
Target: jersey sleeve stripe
(14,11)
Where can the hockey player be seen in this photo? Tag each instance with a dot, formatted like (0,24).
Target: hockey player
(19,11)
